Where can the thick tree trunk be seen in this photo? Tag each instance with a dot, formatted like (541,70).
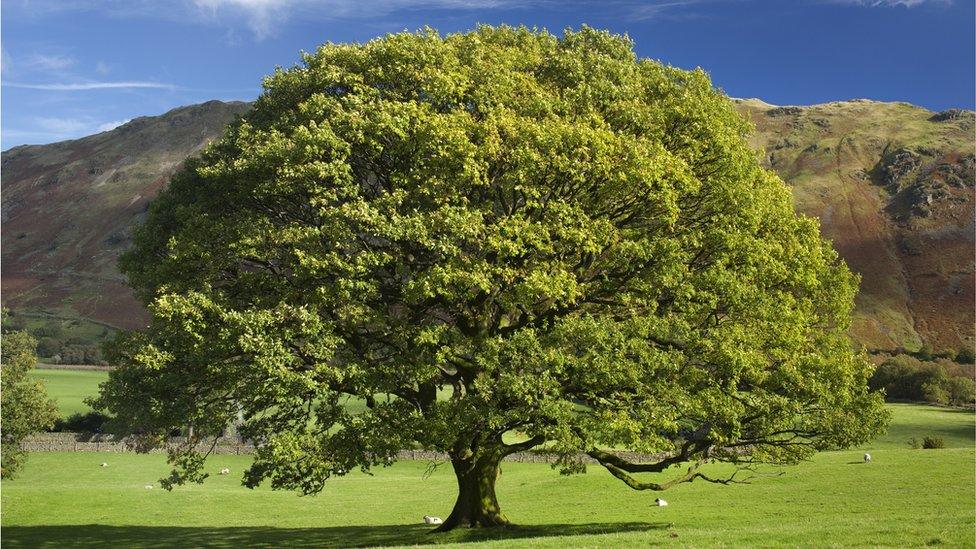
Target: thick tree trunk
(476,505)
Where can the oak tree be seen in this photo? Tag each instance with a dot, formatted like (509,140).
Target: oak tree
(498,241)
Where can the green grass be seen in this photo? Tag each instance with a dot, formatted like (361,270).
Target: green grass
(904,497)
(70,387)
(955,426)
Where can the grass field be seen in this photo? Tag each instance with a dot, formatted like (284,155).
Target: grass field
(70,387)
(904,497)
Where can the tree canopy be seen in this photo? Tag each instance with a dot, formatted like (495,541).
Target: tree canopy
(24,405)
(498,240)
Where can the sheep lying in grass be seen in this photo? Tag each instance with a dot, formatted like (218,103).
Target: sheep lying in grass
(660,502)
(432,520)
(149,487)
(104,464)
(867,458)
(225,471)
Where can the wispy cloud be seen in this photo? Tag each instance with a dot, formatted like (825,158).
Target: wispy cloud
(4,60)
(642,11)
(46,62)
(82,86)
(262,16)
(265,17)
(111,125)
(61,126)
(45,129)
(892,3)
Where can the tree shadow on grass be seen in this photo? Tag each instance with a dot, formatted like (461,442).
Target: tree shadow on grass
(153,537)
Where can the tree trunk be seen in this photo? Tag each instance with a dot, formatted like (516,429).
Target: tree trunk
(476,505)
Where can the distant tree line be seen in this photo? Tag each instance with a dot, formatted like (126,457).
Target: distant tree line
(927,378)
(57,345)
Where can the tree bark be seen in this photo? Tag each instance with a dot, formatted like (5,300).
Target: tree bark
(476,505)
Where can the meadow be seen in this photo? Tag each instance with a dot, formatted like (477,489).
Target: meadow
(70,388)
(904,497)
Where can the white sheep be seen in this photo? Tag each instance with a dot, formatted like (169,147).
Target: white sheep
(149,487)
(867,458)
(432,520)
(660,502)
(225,471)
(104,464)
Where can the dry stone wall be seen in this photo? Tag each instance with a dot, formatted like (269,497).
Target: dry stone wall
(83,442)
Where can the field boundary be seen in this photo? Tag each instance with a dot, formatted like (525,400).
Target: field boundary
(86,367)
(86,442)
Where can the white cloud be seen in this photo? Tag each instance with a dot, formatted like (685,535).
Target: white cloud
(60,126)
(264,17)
(90,86)
(47,63)
(45,129)
(111,125)
(103,68)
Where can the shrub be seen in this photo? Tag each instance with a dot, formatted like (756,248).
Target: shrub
(933,442)
(92,422)
(966,356)
(934,390)
(81,354)
(925,353)
(961,391)
(13,323)
(48,347)
(914,443)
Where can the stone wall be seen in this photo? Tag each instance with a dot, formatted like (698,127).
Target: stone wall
(46,366)
(83,442)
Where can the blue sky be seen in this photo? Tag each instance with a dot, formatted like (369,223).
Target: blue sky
(75,67)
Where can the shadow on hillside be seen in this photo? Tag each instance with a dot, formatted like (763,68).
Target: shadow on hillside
(151,537)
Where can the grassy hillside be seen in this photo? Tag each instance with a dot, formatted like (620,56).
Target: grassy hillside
(903,498)
(68,209)
(891,183)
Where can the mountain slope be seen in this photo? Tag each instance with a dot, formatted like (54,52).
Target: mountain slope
(68,207)
(891,183)
(893,187)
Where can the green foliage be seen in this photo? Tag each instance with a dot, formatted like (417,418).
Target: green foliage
(90,422)
(965,356)
(961,391)
(81,354)
(576,244)
(904,377)
(12,322)
(24,406)
(932,443)
(927,443)
(61,341)
(51,328)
